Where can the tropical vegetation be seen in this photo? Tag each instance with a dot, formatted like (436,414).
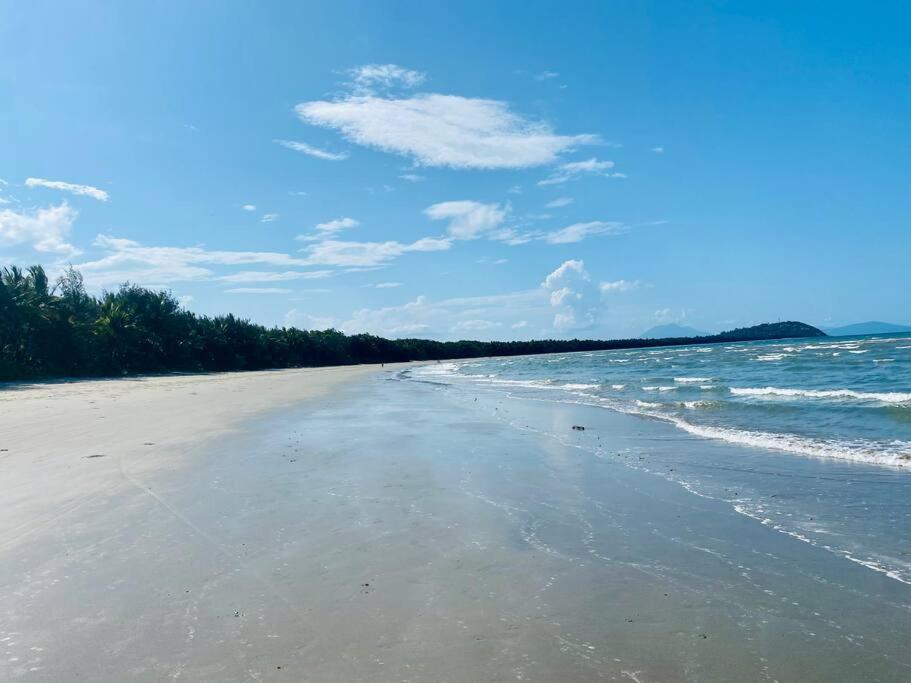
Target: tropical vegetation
(59,330)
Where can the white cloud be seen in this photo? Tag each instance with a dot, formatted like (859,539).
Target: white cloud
(573,297)
(443,130)
(369,76)
(667,315)
(658,150)
(329,229)
(312,151)
(412,177)
(565,269)
(575,306)
(447,318)
(386,285)
(475,325)
(72,188)
(513,237)
(579,231)
(185,301)
(515,189)
(126,260)
(268,218)
(273,276)
(299,319)
(44,229)
(559,296)
(546,75)
(249,207)
(337,225)
(559,202)
(258,290)
(467,219)
(619,286)
(576,169)
(359,254)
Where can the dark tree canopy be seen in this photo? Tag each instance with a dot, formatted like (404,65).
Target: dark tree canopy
(61,331)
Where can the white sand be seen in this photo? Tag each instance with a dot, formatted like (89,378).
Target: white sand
(47,431)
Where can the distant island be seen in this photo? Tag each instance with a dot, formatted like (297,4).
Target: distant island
(62,331)
(671,330)
(871,327)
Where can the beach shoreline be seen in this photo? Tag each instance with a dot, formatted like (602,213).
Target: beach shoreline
(353,524)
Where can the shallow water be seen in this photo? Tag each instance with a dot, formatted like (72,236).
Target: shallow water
(847,398)
(855,505)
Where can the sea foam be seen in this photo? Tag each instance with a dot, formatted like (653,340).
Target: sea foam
(882,397)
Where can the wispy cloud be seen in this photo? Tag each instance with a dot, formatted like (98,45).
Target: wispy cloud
(668,315)
(385,285)
(546,75)
(412,177)
(367,254)
(658,150)
(270,276)
(577,169)
(579,231)
(329,229)
(72,188)
(44,229)
(476,325)
(467,219)
(619,286)
(312,151)
(258,290)
(370,76)
(559,202)
(126,260)
(440,130)
(269,218)
(249,207)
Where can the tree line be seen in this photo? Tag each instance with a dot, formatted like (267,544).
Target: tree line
(59,330)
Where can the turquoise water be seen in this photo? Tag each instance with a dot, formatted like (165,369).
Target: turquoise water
(810,438)
(844,398)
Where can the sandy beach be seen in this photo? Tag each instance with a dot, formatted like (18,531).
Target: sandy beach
(348,524)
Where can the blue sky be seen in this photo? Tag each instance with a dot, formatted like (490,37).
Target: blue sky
(477,170)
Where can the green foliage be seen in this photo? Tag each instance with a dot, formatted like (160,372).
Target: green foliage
(63,331)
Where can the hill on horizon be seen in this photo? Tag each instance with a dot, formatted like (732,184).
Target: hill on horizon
(870,327)
(671,330)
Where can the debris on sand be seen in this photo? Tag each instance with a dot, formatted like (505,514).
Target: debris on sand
(578,428)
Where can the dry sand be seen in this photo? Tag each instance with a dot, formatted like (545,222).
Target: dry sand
(47,431)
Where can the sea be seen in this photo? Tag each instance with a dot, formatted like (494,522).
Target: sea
(810,437)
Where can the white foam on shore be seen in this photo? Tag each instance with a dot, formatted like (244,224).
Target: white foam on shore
(882,397)
(894,454)
(692,380)
(869,563)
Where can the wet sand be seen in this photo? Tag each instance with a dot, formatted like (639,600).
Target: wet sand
(343,524)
